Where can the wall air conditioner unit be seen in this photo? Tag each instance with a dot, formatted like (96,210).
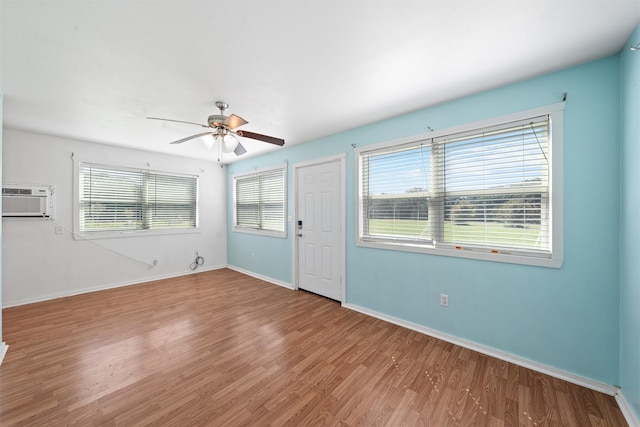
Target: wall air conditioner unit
(27,201)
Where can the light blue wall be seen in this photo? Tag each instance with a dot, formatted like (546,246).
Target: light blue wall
(630,224)
(565,318)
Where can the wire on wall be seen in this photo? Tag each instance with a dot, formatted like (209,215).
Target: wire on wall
(197,262)
(62,227)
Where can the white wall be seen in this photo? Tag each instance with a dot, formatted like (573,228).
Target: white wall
(39,264)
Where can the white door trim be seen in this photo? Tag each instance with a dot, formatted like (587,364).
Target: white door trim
(294,265)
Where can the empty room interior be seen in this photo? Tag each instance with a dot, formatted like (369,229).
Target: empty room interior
(320,213)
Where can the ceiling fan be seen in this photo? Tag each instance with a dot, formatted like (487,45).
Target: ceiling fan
(223,130)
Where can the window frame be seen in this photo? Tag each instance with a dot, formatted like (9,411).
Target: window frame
(555,204)
(110,233)
(259,231)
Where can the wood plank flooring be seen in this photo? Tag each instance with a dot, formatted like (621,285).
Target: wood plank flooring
(223,349)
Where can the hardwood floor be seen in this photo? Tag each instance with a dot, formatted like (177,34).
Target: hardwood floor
(220,348)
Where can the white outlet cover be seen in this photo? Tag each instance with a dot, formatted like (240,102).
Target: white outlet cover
(444,300)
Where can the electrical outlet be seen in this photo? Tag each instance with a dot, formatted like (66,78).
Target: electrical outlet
(155,260)
(444,300)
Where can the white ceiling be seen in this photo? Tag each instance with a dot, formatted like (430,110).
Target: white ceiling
(299,70)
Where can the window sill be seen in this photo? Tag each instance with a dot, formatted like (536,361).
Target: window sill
(537,260)
(133,233)
(282,235)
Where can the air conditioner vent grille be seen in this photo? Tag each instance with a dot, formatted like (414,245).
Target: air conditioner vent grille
(25,191)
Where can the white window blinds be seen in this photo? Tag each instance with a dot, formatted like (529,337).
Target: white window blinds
(486,189)
(124,199)
(260,201)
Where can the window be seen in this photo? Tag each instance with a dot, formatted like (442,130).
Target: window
(477,191)
(259,202)
(116,200)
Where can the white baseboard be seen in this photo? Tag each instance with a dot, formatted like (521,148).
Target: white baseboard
(3,350)
(629,414)
(489,351)
(265,278)
(107,286)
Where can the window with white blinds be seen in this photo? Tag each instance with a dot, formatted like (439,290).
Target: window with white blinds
(259,202)
(483,190)
(116,199)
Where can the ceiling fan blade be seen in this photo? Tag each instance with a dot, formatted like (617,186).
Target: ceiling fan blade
(178,121)
(240,150)
(180,141)
(234,121)
(260,137)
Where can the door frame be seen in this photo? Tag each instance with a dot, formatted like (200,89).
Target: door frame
(341,158)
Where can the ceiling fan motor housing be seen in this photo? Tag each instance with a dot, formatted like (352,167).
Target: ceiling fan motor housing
(216,120)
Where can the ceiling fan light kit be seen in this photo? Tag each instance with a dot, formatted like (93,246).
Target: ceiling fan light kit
(229,143)
(223,131)
(209,142)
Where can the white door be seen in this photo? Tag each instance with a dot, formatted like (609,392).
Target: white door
(319,229)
